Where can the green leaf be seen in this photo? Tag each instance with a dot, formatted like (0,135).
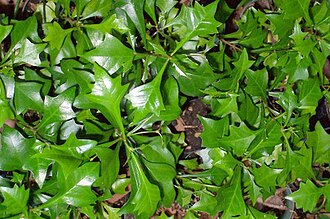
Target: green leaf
(111,54)
(309,94)
(303,164)
(287,100)
(15,199)
(166,5)
(295,9)
(309,190)
(4,32)
(223,160)
(252,188)
(195,21)
(108,158)
(97,8)
(25,29)
(230,199)
(145,195)
(56,35)
(161,164)
(107,95)
(56,110)
(171,100)
(15,149)
(27,96)
(213,131)
(110,24)
(255,214)
(147,99)
(319,141)
(70,154)
(248,111)
(134,10)
(76,189)
(239,139)
(223,107)
(257,83)
(207,203)
(29,53)
(266,177)
(5,111)
(39,168)
(74,74)
(192,77)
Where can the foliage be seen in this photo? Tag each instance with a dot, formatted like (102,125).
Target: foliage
(86,82)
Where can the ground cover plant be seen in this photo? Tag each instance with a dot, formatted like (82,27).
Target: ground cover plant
(164,109)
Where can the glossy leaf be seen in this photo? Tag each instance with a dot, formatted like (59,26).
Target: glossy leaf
(310,94)
(231,198)
(145,195)
(56,110)
(192,77)
(257,83)
(134,10)
(97,8)
(76,189)
(213,131)
(239,139)
(15,149)
(319,141)
(309,190)
(107,95)
(194,21)
(27,96)
(147,99)
(56,36)
(15,200)
(111,54)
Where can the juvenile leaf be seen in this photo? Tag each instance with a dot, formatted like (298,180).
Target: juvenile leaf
(213,131)
(192,77)
(243,64)
(223,107)
(29,53)
(147,99)
(15,199)
(56,110)
(107,95)
(27,96)
(25,29)
(97,8)
(171,100)
(161,164)
(110,165)
(15,149)
(265,177)
(239,139)
(257,83)
(207,203)
(230,199)
(309,190)
(4,32)
(319,141)
(76,189)
(295,8)
(195,21)
(111,54)
(134,10)
(309,94)
(145,195)
(288,100)
(56,35)
(110,24)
